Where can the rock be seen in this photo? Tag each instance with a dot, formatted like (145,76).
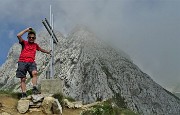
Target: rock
(77,104)
(56,107)
(23,106)
(4,113)
(50,105)
(68,104)
(47,105)
(37,98)
(29,97)
(34,109)
(91,104)
(34,104)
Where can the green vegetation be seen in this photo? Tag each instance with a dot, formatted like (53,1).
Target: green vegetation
(70,99)
(29,92)
(119,101)
(106,108)
(15,95)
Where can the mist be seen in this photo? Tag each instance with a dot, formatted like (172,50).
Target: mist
(147,30)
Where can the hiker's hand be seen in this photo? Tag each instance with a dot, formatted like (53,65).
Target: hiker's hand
(50,52)
(28,29)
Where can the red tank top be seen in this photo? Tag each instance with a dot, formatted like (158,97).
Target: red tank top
(28,51)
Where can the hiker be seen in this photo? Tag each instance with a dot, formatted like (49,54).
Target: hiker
(27,60)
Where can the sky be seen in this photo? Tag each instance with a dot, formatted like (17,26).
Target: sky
(147,30)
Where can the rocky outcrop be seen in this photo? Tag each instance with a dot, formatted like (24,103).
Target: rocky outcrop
(7,70)
(49,104)
(94,71)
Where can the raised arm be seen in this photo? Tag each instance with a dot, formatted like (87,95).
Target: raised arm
(45,51)
(19,35)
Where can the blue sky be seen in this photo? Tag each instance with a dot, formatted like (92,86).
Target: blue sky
(147,30)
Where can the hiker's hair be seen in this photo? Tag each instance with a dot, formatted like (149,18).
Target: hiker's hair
(32,32)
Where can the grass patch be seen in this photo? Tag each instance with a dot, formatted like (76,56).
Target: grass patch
(106,108)
(15,95)
(119,101)
(29,92)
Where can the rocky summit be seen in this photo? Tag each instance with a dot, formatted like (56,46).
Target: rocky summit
(91,70)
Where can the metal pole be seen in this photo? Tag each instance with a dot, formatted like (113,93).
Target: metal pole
(52,43)
(49,27)
(51,63)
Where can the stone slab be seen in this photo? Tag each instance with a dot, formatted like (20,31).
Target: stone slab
(51,86)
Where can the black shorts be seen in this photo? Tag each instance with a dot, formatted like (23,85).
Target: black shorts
(23,67)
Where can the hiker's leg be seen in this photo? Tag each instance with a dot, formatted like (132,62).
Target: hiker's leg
(34,78)
(34,81)
(21,73)
(33,74)
(23,84)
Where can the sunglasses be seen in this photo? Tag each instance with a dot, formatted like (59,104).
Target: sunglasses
(32,37)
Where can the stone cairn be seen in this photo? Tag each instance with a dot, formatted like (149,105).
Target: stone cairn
(48,104)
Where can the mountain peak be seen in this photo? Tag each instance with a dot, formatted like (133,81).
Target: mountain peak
(92,70)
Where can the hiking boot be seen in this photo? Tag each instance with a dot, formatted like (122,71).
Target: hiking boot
(23,95)
(35,91)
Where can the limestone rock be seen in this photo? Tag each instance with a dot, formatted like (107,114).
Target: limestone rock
(68,104)
(72,105)
(34,104)
(23,106)
(56,107)
(37,98)
(47,105)
(50,105)
(78,104)
(4,113)
(34,110)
